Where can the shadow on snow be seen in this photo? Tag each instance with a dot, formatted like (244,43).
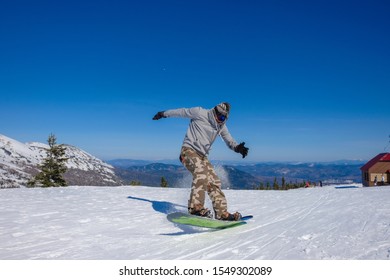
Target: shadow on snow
(166,207)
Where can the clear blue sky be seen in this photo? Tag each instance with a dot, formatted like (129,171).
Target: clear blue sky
(307,80)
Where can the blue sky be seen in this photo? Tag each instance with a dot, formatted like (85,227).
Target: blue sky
(307,80)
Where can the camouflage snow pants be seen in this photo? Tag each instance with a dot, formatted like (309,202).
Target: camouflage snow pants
(204,180)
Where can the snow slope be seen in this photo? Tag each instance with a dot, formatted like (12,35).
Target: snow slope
(130,223)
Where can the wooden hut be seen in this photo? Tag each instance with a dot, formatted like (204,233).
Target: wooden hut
(376,172)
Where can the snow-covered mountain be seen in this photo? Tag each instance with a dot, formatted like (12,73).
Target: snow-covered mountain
(19,161)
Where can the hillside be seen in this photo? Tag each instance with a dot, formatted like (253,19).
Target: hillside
(19,161)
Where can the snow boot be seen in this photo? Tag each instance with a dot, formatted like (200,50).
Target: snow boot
(204,212)
(231,217)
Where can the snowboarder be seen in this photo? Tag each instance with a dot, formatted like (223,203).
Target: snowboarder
(203,129)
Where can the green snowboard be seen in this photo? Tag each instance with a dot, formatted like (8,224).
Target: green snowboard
(191,220)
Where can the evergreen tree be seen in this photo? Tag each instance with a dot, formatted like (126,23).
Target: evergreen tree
(164,182)
(53,166)
(135,183)
(275,185)
(261,186)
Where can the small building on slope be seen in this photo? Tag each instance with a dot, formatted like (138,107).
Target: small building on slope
(376,172)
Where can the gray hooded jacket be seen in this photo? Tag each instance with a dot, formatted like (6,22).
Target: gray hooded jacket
(203,129)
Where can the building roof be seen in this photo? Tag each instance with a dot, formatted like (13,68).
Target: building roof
(383,157)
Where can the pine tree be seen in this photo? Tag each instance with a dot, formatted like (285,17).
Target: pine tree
(53,166)
(164,182)
(275,185)
(135,183)
(261,186)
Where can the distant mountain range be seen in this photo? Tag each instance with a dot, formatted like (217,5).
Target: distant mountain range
(178,177)
(341,172)
(241,176)
(19,161)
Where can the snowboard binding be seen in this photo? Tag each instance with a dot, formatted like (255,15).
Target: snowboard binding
(204,212)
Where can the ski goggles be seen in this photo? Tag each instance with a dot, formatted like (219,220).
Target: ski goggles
(220,117)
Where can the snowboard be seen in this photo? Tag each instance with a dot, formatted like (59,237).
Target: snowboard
(191,220)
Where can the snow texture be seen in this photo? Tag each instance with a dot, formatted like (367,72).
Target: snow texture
(130,223)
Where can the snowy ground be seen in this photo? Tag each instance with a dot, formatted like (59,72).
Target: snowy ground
(130,223)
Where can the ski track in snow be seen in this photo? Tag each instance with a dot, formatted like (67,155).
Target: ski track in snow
(130,223)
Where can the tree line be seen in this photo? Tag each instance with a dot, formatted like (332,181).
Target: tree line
(262,186)
(283,186)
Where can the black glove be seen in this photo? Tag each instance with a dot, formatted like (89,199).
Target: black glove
(159,115)
(241,149)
